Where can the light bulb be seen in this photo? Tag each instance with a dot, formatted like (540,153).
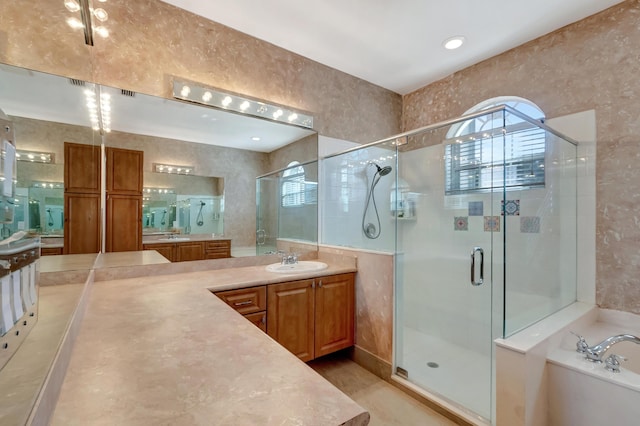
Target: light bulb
(100,14)
(245,105)
(206,96)
(75,23)
(227,101)
(102,31)
(71,5)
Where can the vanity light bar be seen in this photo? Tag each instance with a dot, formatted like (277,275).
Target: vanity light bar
(191,92)
(172,169)
(49,185)
(34,156)
(159,191)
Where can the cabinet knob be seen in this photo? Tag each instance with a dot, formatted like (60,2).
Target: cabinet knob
(320,284)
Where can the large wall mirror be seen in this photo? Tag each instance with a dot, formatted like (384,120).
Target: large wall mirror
(225,152)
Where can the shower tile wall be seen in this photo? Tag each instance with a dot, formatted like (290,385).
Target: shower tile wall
(345,183)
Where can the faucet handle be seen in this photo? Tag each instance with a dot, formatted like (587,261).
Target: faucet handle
(581,344)
(612,363)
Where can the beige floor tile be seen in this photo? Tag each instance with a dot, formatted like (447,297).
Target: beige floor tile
(386,404)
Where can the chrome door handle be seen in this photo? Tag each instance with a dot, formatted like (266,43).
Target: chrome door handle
(473,266)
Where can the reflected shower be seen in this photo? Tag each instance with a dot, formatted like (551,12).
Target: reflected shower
(370,230)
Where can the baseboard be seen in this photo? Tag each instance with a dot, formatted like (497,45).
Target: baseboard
(370,362)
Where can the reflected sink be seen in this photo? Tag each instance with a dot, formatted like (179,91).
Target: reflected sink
(302,266)
(173,240)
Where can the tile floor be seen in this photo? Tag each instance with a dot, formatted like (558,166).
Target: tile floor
(386,404)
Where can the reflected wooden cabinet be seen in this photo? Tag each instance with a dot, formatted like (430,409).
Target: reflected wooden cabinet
(82,168)
(124,226)
(81,198)
(218,249)
(167,250)
(314,317)
(82,188)
(81,223)
(193,250)
(124,171)
(124,200)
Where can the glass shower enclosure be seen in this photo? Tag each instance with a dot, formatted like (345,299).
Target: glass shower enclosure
(483,211)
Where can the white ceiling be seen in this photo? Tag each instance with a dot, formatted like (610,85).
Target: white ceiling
(396,44)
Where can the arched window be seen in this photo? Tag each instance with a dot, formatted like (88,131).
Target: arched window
(293,185)
(496,149)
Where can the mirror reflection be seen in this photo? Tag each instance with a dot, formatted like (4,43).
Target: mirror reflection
(224,151)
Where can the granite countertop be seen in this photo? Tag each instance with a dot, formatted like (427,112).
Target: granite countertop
(164,350)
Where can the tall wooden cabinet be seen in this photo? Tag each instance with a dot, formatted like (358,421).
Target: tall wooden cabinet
(313,317)
(82,171)
(82,199)
(124,199)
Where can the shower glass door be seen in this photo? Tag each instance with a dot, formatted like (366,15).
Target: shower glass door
(448,263)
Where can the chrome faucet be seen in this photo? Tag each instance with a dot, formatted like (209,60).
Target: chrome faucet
(290,259)
(595,353)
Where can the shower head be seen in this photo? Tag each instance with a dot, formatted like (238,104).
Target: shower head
(383,171)
(202,203)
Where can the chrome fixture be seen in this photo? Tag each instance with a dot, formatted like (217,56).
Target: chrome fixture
(200,217)
(289,258)
(595,353)
(612,363)
(370,230)
(193,92)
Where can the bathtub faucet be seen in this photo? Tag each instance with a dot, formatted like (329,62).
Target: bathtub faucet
(595,353)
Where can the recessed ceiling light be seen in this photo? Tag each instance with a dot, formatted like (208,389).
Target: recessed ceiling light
(453,42)
(255,138)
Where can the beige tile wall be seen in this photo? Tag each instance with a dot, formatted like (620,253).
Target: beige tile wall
(592,64)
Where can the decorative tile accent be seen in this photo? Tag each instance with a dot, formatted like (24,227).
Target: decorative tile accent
(461,223)
(476,208)
(530,224)
(510,207)
(492,223)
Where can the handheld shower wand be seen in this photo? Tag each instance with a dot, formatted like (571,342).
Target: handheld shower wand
(200,217)
(370,230)
(50,222)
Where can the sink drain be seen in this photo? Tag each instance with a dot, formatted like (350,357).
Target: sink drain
(433,364)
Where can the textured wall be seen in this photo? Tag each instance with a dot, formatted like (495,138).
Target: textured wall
(151,41)
(592,64)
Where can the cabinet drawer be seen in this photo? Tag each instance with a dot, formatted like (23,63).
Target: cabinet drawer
(246,300)
(259,319)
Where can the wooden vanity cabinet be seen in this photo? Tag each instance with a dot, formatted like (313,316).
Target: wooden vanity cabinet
(250,302)
(313,317)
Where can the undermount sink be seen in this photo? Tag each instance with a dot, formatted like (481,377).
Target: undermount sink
(173,240)
(302,266)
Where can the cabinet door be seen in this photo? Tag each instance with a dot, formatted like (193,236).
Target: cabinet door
(82,168)
(189,251)
(124,171)
(259,319)
(81,223)
(167,250)
(334,327)
(290,316)
(124,223)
